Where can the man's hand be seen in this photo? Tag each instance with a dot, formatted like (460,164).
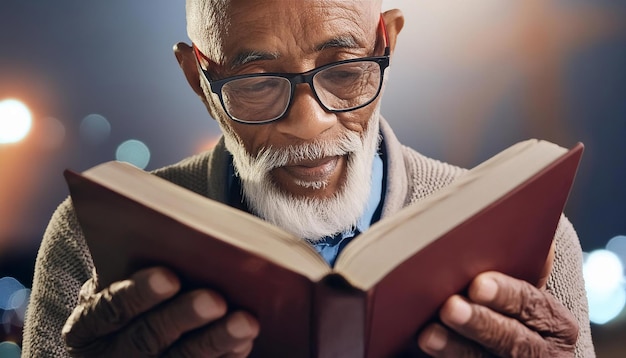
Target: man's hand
(505,317)
(142,317)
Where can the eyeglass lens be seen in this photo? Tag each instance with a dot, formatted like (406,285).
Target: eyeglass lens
(340,87)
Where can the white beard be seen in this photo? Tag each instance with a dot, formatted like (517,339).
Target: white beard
(309,217)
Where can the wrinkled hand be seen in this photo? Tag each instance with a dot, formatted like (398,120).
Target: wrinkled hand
(502,316)
(143,316)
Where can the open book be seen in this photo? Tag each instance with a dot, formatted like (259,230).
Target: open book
(386,284)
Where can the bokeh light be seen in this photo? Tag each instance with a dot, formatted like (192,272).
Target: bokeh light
(134,152)
(10,350)
(8,287)
(604,281)
(19,300)
(208,144)
(95,129)
(605,308)
(604,271)
(617,245)
(14,299)
(15,121)
(53,133)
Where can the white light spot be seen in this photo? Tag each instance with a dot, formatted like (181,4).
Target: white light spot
(604,282)
(15,121)
(605,307)
(95,129)
(134,152)
(617,245)
(603,271)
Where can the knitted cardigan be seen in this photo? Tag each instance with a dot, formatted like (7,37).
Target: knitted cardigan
(64,262)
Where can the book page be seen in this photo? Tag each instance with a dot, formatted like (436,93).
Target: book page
(391,241)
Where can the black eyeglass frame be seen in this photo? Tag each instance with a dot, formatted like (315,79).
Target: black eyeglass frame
(295,79)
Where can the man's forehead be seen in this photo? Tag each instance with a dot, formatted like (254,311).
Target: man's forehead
(318,24)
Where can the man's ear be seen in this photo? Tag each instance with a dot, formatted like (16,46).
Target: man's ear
(394,21)
(187,62)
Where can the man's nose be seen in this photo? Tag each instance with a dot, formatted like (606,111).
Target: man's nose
(306,119)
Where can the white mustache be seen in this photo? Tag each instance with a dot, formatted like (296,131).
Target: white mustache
(270,158)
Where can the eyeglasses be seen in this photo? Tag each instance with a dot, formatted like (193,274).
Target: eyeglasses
(266,97)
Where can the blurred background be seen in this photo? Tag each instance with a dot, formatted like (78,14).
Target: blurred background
(86,82)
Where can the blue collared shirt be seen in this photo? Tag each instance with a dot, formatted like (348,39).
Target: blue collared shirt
(328,247)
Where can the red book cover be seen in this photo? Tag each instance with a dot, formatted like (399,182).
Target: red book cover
(305,308)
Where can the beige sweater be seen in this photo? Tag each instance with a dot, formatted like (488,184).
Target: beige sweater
(64,263)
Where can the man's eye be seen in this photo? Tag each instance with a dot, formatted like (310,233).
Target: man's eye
(342,75)
(255,86)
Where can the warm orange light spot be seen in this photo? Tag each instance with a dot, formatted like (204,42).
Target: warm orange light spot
(208,144)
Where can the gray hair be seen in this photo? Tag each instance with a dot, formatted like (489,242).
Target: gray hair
(207,24)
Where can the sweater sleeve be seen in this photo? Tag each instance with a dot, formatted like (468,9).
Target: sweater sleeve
(63,264)
(566,283)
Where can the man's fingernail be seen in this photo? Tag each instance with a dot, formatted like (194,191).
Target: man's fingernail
(460,311)
(239,326)
(487,289)
(161,284)
(207,307)
(435,339)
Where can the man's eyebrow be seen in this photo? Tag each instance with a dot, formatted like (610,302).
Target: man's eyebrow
(345,41)
(248,56)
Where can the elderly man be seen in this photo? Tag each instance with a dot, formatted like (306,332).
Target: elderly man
(295,87)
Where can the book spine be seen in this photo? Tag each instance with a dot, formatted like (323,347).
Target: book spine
(339,316)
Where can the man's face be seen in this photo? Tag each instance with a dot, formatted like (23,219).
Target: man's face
(296,36)
(309,172)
